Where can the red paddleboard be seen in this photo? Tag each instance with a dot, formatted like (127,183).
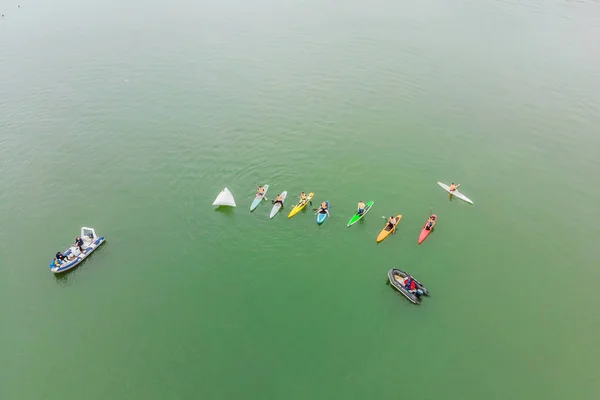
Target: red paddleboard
(426,232)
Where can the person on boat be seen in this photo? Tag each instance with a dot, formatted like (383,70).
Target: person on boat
(279,200)
(79,243)
(60,257)
(324,209)
(260,191)
(453,187)
(410,284)
(391,222)
(429,223)
(361,207)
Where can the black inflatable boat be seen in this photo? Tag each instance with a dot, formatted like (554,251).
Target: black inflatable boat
(397,278)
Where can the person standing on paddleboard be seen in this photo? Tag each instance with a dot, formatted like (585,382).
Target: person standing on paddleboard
(361,207)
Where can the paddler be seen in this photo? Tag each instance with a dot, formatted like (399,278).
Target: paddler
(453,187)
(303,198)
(392,222)
(260,191)
(323,208)
(410,284)
(361,207)
(279,200)
(429,223)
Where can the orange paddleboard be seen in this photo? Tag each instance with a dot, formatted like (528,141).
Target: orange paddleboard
(387,230)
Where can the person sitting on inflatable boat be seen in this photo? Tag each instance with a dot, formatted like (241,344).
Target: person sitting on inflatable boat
(60,257)
(361,207)
(411,285)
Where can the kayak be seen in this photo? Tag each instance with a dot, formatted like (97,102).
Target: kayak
(225,198)
(73,255)
(396,277)
(455,193)
(277,206)
(426,232)
(258,198)
(322,216)
(300,206)
(387,230)
(357,217)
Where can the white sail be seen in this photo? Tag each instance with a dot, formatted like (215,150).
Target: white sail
(225,198)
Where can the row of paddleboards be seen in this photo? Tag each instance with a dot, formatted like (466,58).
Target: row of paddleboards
(225,198)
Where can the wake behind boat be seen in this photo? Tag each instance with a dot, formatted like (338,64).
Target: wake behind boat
(73,256)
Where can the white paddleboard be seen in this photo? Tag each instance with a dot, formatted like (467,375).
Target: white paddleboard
(455,193)
(258,199)
(277,206)
(225,198)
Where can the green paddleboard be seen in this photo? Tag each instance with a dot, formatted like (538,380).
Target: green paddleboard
(356,217)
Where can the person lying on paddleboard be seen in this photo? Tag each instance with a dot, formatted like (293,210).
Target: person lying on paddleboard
(361,207)
(260,191)
(323,209)
(453,187)
(391,222)
(279,200)
(429,224)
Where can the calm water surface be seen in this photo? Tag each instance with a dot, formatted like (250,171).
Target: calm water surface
(131,117)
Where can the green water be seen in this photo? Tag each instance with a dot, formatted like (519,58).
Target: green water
(130,117)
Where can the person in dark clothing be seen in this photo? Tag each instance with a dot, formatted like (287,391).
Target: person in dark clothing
(279,200)
(60,256)
(79,243)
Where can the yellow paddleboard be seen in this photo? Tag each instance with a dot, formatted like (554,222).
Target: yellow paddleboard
(300,206)
(387,230)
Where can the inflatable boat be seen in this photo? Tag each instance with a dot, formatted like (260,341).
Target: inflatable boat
(73,256)
(397,279)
